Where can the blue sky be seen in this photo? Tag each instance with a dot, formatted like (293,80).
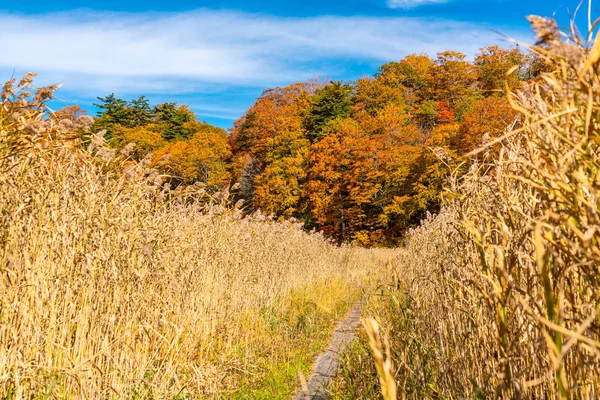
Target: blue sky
(218,56)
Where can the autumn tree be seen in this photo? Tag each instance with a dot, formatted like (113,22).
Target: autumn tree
(415,75)
(455,77)
(336,196)
(357,171)
(493,63)
(489,118)
(147,139)
(429,173)
(373,93)
(202,157)
(183,148)
(270,145)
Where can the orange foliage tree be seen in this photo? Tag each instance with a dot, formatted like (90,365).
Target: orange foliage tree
(358,171)
(489,118)
(363,161)
(270,146)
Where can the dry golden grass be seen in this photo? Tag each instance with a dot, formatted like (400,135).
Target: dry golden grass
(112,287)
(498,296)
(383,364)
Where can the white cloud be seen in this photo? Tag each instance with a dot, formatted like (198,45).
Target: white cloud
(413,3)
(208,50)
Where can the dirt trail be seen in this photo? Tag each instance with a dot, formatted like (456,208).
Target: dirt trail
(327,363)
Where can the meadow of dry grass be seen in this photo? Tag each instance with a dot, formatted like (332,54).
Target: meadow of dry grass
(113,286)
(498,296)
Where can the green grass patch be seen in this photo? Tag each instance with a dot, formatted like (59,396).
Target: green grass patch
(289,342)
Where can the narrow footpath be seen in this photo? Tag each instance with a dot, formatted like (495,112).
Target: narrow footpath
(327,363)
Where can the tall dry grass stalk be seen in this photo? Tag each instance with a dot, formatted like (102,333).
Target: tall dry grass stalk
(382,358)
(499,294)
(112,286)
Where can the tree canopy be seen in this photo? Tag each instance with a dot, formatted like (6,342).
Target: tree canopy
(361,161)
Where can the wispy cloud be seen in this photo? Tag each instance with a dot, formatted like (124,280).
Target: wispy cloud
(413,3)
(209,50)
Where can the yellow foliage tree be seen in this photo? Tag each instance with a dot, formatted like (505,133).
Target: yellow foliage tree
(146,138)
(202,158)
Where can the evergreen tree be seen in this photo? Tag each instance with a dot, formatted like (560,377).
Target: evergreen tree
(172,119)
(115,111)
(329,103)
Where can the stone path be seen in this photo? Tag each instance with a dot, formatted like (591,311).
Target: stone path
(327,363)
